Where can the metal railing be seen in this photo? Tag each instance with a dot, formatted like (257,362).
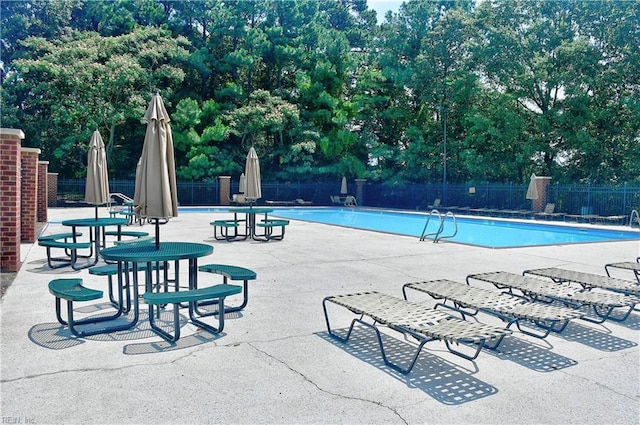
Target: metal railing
(632,222)
(437,235)
(569,199)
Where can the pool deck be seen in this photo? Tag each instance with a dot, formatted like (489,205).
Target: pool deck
(275,364)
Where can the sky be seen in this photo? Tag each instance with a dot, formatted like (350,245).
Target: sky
(382,6)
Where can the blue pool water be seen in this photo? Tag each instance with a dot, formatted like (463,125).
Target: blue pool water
(492,233)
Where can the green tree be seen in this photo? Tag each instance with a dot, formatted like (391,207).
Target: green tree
(199,142)
(426,59)
(566,64)
(264,122)
(82,81)
(545,87)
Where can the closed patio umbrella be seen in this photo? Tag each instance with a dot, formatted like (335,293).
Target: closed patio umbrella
(343,186)
(97,184)
(253,186)
(532,191)
(156,190)
(242,184)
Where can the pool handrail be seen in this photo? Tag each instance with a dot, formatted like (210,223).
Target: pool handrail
(455,225)
(424,235)
(631,222)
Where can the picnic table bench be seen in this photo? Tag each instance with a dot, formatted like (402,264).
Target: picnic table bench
(225,226)
(268,225)
(233,273)
(72,290)
(63,241)
(191,296)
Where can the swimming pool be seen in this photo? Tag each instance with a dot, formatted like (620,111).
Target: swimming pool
(491,233)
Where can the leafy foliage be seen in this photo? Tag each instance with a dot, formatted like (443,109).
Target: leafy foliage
(321,90)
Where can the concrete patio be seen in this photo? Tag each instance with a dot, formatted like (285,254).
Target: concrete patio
(275,363)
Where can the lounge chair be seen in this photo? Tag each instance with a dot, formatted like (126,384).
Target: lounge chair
(514,213)
(414,319)
(238,198)
(451,209)
(436,204)
(582,218)
(549,213)
(350,201)
(486,211)
(602,304)
(280,203)
(468,300)
(588,280)
(625,265)
(297,201)
(611,219)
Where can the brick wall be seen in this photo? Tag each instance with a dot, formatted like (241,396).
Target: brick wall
(10,143)
(52,189)
(225,189)
(43,191)
(542,185)
(29,191)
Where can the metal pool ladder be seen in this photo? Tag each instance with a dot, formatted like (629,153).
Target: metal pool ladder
(438,234)
(634,213)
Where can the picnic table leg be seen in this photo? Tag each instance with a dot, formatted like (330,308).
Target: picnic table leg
(94,239)
(75,239)
(136,306)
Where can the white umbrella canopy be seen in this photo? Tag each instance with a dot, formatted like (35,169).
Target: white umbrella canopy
(532,191)
(343,186)
(156,194)
(97,184)
(242,184)
(253,186)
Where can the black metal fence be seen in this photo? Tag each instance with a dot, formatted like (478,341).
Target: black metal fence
(570,199)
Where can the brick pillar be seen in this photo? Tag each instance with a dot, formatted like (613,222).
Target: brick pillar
(225,189)
(52,190)
(542,185)
(360,191)
(10,143)
(43,191)
(29,192)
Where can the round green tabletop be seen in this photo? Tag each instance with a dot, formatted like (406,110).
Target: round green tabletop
(96,222)
(250,210)
(166,251)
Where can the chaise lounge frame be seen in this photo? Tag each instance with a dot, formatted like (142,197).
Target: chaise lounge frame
(534,289)
(469,300)
(625,265)
(417,320)
(587,280)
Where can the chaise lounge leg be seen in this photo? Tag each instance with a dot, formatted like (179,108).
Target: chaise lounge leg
(386,360)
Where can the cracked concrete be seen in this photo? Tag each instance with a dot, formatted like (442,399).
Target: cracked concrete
(310,381)
(275,364)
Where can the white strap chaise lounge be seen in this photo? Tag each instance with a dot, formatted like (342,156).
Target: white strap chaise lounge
(625,265)
(417,320)
(602,303)
(469,300)
(587,280)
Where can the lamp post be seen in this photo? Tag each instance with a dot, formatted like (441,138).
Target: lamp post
(443,110)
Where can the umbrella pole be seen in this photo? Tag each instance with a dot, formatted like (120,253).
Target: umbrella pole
(157,234)
(96,212)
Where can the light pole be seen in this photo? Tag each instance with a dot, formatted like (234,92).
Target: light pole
(443,110)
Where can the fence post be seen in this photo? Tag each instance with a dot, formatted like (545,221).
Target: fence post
(360,190)
(225,189)
(542,186)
